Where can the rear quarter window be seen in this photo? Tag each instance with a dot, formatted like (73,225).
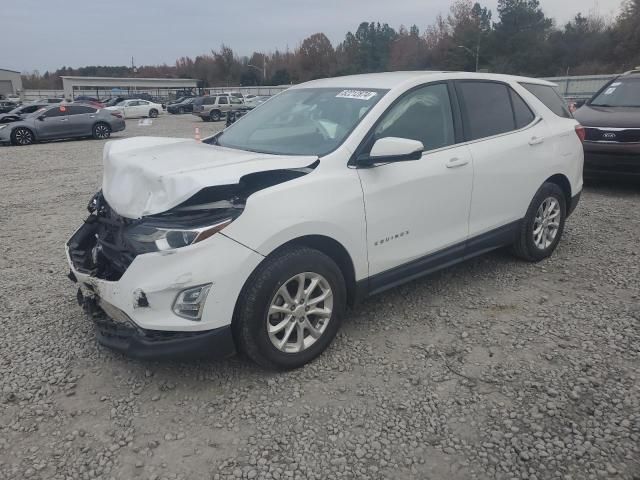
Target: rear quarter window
(550,97)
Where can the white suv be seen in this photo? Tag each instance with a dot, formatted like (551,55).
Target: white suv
(258,238)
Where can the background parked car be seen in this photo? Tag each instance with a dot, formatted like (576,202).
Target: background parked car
(212,109)
(6,106)
(137,108)
(185,106)
(15,114)
(180,99)
(62,121)
(612,128)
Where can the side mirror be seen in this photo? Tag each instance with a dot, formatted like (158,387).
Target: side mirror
(393,149)
(41,118)
(580,103)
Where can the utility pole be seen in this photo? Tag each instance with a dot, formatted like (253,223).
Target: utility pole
(476,54)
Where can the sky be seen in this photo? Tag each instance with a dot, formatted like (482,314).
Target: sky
(54,33)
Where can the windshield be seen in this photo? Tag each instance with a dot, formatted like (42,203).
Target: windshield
(305,121)
(623,92)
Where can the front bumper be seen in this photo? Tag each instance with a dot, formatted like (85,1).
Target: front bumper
(611,159)
(115,330)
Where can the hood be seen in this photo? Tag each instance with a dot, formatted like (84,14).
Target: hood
(150,175)
(612,117)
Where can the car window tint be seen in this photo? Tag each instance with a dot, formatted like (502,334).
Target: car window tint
(56,112)
(30,109)
(424,115)
(521,111)
(222,100)
(550,97)
(142,102)
(487,108)
(80,109)
(235,100)
(209,101)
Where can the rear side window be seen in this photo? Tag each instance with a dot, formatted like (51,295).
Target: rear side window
(521,111)
(487,108)
(80,109)
(209,100)
(56,112)
(222,101)
(550,97)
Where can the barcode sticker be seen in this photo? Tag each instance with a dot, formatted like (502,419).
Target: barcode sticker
(357,94)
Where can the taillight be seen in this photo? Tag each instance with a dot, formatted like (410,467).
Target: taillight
(580,131)
(116,114)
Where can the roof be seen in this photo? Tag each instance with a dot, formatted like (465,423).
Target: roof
(389,80)
(79,77)
(7,70)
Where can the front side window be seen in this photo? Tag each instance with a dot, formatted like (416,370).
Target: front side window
(56,112)
(424,115)
(622,92)
(550,97)
(235,101)
(301,121)
(487,108)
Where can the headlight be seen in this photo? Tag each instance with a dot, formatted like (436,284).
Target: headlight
(148,238)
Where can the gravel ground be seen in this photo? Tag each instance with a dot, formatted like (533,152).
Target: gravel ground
(491,369)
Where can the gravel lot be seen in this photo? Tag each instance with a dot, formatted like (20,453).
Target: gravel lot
(491,369)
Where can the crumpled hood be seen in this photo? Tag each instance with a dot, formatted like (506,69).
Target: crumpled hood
(150,175)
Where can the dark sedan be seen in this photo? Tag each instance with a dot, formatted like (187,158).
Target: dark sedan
(57,122)
(6,106)
(185,106)
(18,112)
(612,129)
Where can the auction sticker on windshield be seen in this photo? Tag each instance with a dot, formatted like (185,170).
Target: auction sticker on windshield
(358,94)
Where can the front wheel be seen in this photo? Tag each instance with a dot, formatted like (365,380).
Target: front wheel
(153,113)
(181,110)
(22,136)
(101,131)
(543,224)
(214,116)
(291,308)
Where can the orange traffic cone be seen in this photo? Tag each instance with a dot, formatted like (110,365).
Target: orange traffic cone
(197,134)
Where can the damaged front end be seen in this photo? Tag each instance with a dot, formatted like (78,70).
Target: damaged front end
(107,243)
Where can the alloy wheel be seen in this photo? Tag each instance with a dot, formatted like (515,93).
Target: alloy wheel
(102,131)
(546,223)
(299,312)
(23,136)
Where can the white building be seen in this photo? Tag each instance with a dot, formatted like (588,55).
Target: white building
(10,82)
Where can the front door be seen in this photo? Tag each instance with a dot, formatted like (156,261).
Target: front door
(54,123)
(419,207)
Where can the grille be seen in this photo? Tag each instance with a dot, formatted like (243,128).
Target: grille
(629,135)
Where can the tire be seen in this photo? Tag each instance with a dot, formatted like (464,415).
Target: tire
(263,292)
(536,239)
(22,136)
(153,113)
(181,110)
(214,115)
(101,131)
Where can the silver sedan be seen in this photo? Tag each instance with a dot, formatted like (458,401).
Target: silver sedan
(62,121)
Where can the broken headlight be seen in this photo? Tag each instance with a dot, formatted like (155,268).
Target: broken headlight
(149,238)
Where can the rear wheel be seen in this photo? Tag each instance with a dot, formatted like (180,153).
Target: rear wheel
(101,131)
(22,136)
(214,115)
(153,113)
(292,308)
(543,224)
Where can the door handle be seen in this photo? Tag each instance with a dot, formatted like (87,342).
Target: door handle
(456,162)
(536,140)
(64,119)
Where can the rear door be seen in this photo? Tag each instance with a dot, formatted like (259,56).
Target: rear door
(81,120)
(509,146)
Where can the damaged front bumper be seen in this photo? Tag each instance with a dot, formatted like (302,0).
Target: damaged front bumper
(115,330)
(134,313)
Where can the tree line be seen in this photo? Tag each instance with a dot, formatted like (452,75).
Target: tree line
(518,39)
